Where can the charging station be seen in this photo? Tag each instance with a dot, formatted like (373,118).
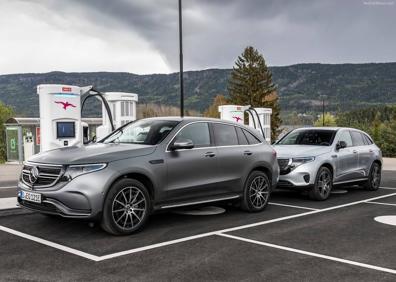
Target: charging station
(123,110)
(259,118)
(60,116)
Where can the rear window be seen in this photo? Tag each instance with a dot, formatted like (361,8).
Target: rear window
(317,137)
(367,140)
(357,138)
(241,137)
(251,138)
(225,135)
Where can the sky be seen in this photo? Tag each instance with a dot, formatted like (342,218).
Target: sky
(141,36)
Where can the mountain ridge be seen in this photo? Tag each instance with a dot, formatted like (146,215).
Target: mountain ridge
(300,86)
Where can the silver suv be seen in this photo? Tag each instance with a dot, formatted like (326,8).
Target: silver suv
(315,159)
(148,165)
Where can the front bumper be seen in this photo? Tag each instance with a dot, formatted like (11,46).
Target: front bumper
(81,197)
(302,176)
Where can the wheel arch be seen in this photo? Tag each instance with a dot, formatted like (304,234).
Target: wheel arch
(141,177)
(262,168)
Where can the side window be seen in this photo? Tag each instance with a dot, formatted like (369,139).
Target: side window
(346,137)
(357,138)
(196,132)
(225,135)
(251,138)
(241,137)
(367,140)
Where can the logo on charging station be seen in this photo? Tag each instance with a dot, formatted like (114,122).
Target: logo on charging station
(65,104)
(237,119)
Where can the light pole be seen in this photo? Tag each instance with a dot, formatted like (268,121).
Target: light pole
(181,60)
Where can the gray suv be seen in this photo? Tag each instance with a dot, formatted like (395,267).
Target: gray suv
(148,165)
(315,159)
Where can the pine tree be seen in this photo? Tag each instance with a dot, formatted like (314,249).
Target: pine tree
(213,110)
(251,84)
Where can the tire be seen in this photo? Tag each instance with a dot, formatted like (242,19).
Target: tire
(374,180)
(256,192)
(126,208)
(323,185)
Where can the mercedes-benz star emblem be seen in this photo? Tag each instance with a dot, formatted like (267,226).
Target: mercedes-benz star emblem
(33,175)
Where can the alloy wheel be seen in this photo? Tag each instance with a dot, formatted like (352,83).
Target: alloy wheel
(375,176)
(129,208)
(259,192)
(324,183)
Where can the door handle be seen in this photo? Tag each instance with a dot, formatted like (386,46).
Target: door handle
(354,151)
(210,154)
(247,153)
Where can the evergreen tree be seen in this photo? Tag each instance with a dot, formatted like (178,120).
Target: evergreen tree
(213,110)
(251,84)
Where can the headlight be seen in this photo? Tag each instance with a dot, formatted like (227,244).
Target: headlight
(299,161)
(73,171)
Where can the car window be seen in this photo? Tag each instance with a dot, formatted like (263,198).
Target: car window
(225,135)
(147,132)
(317,137)
(346,137)
(357,138)
(367,139)
(241,137)
(196,132)
(251,138)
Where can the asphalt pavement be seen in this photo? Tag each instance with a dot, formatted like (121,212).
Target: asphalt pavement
(294,239)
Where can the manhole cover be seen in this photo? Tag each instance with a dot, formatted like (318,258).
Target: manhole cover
(210,210)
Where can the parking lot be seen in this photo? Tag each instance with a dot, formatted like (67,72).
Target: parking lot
(293,239)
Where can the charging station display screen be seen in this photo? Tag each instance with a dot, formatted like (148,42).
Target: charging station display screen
(65,130)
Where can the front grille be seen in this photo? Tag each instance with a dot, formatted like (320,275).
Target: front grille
(45,207)
(285,184)
(284,166)
(41,175)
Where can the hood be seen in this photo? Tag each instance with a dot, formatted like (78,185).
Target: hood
(291,151)
(95,153)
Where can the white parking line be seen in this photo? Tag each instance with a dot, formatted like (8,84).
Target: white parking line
(351,262)
(171,242)
(388,188)
(292,206)
(379,203)
(8,203)
(50,244)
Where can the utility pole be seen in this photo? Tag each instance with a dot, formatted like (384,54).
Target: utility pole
(323,109)
(181,60)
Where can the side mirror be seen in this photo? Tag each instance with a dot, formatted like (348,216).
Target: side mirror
(341,145)
(182,144)
(93,140)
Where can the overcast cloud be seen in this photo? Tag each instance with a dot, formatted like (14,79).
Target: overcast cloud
(141,36)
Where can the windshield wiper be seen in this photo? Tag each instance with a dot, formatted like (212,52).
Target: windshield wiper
(118,131)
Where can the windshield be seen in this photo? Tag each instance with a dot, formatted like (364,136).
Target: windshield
(146,132)
(308,137)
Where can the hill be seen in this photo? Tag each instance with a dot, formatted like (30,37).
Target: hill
(347,86)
